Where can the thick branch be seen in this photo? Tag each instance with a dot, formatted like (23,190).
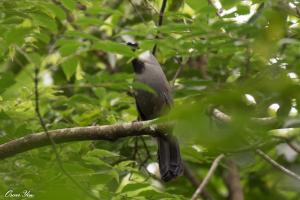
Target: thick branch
(106,132)
(232,180)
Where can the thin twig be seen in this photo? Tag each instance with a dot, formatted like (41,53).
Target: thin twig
(293,146)
(208,176)
(277,165)
(178,72)
(99,85)
(148,154)
(53,145)
(135,147)
(191,176)
(138,12)
(148,4)
(262,121)
(146,147)
(70,17)
(160,21)
(161,12)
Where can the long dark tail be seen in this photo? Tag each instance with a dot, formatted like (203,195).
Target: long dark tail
(169,159)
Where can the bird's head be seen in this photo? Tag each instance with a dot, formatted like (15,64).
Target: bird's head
(138,65)
(134,46)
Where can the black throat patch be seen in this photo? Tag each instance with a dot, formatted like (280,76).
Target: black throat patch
(138,66)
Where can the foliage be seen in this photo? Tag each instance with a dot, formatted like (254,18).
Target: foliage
(85,76)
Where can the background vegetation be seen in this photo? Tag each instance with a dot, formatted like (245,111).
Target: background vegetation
(241,57)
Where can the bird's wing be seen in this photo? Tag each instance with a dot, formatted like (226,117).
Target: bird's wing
(168,99)
(149,105)
(141,114)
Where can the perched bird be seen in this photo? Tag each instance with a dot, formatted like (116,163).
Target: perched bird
(151,105)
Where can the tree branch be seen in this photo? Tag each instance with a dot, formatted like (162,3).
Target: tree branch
(138,12)
(217,114)
(160,21)
(69,14)
(191,176)
(232,180)
(161,12)
(105,132)
(293,146)
(277,165)
(179,70)
(210,173)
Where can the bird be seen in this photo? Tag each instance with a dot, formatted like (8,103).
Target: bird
(153,104)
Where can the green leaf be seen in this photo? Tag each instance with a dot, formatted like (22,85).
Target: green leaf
(172,27)
(134,187)
(45,21)
(70,4)
(43,37)
(226,4)
(77,169)
(68,49)
(115,175)
(6,80)
(142,86)
(12,20)
(82,99)
(102,153)
(98,9)
(102,179)
(258,1)
(81,35)
(16,36)
(153,194)
(56,10)
(243,9)
(175,5)
(125,165)
(96,161)
(196,5)
(89,21)
(113,47)
(70,66)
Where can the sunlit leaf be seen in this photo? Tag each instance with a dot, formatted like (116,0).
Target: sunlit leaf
(69,67)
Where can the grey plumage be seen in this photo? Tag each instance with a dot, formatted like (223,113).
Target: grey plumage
(151,105)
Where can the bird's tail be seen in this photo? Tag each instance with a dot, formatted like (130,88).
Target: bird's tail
(169,159)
